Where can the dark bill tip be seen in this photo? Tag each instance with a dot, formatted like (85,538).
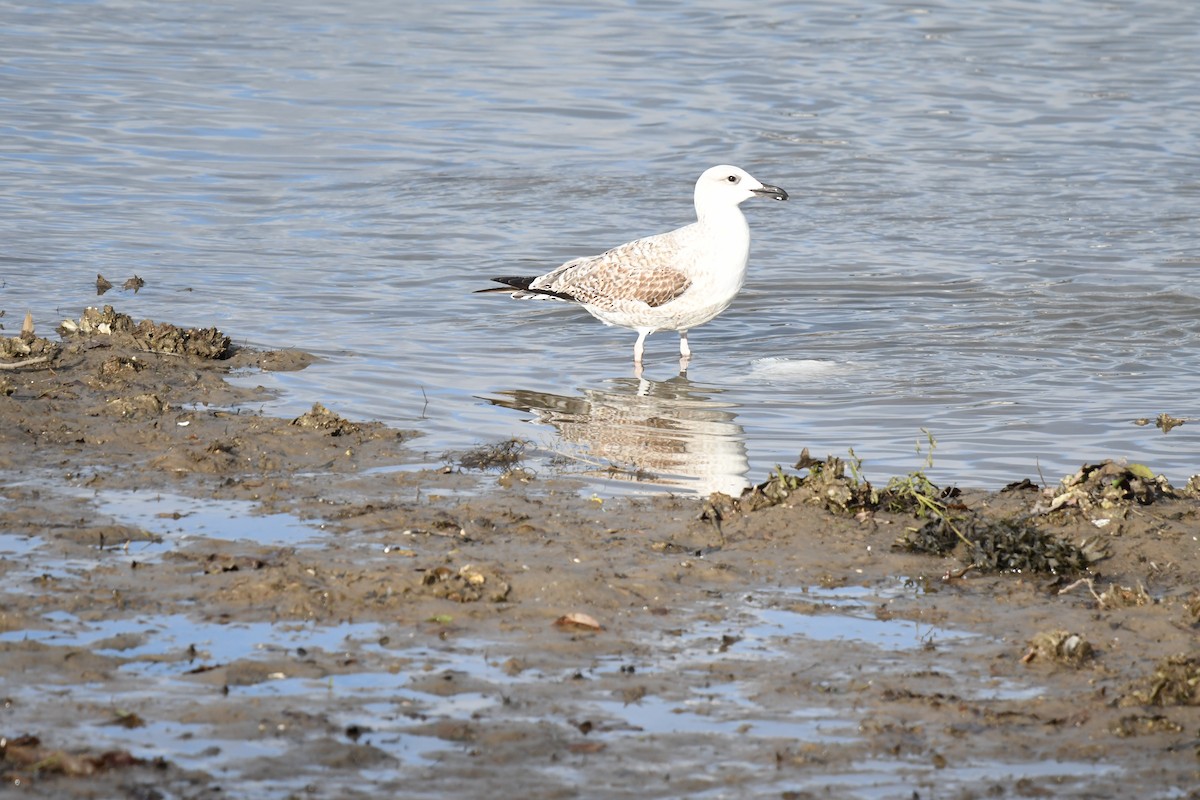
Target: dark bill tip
(771,191)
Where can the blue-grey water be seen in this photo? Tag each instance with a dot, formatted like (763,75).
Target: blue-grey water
(992,232)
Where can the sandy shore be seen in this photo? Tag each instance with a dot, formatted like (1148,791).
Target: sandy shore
(201,601)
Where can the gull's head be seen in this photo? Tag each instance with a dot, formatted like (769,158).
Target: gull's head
(726,187)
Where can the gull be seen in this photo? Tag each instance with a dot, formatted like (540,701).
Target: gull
(673,281)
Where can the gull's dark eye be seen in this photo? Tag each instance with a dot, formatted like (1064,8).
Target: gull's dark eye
(732,179)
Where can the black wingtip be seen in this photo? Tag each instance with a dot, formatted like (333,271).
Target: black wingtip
(510,284)
(514,283)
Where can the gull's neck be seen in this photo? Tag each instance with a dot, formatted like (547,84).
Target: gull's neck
(724,215)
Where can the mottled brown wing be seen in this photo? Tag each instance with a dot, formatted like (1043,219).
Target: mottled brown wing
(608,288)
(661,286)
(638,271)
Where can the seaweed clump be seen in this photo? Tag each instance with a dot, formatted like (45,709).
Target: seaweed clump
(504,456)
(148,335)
(826,484)
(322,419)
(21,347)
(1111,485)
(982,542)
(1062,647)
(27,346)
(28,754)
(468,585)
(997,545)
(1174,682)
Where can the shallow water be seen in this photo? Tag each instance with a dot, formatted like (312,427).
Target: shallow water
(174,519)
(387,695)
(991,233)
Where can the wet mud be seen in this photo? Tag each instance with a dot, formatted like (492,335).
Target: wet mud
(201,601)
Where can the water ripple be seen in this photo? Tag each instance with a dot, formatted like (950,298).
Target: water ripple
(991,233)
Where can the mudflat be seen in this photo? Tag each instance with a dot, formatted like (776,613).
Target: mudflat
(200,600)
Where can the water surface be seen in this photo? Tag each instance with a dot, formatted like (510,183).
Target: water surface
(992,231)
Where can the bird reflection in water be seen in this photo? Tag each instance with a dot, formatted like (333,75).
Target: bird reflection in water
(666,433)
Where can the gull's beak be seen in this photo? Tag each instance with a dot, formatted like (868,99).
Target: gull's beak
(771,191)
